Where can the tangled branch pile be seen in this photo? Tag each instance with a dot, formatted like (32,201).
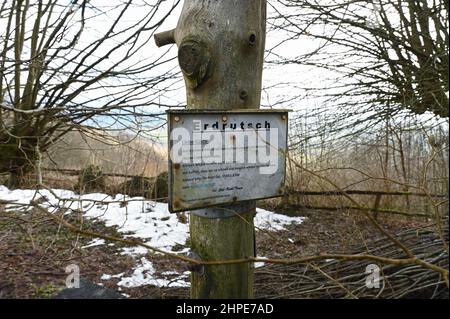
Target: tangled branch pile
(347,279)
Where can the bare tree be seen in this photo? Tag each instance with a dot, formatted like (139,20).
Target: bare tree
(382,56)
(66,65)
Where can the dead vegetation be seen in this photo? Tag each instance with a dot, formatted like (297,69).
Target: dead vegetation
(35,251)
(343,232)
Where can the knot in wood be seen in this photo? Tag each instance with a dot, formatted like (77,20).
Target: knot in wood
(195,61)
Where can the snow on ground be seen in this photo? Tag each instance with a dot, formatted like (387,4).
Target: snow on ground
(144,274)
(94,243)
(136,218)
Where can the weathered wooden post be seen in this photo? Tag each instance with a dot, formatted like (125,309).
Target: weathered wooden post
(221,52)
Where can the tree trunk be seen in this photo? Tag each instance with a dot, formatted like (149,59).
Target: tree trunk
(17,160)
(221,53)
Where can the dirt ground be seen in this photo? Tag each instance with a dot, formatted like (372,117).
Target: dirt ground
(35,251)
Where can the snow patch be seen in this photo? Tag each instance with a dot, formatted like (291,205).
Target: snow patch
(260,264)
(94,243)
(144,274)
(269,220)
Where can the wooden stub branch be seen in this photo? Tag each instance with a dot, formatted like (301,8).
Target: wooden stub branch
(165,38)
(221,52)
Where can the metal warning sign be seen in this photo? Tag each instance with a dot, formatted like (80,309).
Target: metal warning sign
(225,157)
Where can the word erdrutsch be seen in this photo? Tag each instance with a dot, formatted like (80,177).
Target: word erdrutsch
(199,126)
(241,143)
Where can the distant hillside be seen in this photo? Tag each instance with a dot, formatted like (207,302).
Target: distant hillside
(122,153)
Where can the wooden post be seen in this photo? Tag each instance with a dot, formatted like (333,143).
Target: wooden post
(221,52)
